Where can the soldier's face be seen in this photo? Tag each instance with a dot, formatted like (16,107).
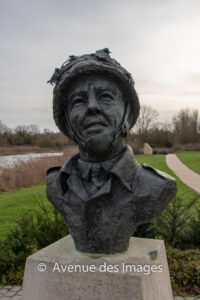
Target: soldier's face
(95,106)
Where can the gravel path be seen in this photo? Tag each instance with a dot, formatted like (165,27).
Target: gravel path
(14,293)
(188,176)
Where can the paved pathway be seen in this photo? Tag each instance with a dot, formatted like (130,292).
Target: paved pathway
(10,292)
(14,293)
(186,175)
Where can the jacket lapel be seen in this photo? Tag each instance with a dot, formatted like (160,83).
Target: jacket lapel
(104,190)
(75,185)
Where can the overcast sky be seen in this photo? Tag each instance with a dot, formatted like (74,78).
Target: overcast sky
(157,41)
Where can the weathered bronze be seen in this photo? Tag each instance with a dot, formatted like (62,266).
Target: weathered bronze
(102,193)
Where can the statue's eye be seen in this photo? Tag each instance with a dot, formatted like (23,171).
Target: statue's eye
(106,96)
(77,101)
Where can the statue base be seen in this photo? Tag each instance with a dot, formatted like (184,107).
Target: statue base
(61,272)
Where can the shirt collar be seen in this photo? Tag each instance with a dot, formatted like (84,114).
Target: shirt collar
(85,167)
(123,168)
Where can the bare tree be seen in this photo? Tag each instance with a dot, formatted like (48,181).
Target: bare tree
(3,128)
(33,129)
(146,120)
(186,126)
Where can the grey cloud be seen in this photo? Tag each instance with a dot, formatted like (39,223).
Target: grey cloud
(147,37)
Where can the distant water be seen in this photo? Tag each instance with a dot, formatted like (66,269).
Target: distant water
(12,160)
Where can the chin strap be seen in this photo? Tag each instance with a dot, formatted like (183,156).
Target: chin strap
(73,134)
(121,129)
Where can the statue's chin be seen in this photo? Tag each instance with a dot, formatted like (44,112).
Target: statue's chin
(99,145)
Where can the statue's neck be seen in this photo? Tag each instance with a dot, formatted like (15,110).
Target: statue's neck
(88,157)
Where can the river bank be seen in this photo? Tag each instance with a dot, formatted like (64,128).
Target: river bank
(24,149)
(30,172)
(14,150)
(9,161)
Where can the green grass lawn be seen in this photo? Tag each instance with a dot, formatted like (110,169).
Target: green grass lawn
(191,159)
(12,203)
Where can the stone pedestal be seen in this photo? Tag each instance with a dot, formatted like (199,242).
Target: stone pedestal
(60,272)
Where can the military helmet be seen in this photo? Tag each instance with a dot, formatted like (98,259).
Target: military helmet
(100,63)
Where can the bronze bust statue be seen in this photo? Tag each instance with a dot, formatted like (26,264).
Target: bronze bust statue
(101,192)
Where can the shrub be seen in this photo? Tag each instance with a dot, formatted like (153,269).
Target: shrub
(13,251)
(175,222)
(148,230)
(176,225)
(32,232)
(195,228)
(184,269)
(49,226)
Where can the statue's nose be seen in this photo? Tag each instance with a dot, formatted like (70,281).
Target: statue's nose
(93,105)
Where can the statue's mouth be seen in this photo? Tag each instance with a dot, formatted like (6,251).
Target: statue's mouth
(94,124)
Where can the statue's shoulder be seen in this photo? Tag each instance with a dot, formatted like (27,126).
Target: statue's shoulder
(56,179)
(53,175)
(149,169)
(53,180)
(56,183)
(153,178)
(53,187)
(57,176)
(52,171)
(153,189)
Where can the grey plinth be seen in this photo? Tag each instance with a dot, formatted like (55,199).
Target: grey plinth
(59,271)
